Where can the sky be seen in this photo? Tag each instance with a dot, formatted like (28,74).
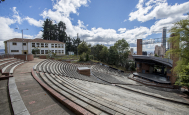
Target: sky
(96,21)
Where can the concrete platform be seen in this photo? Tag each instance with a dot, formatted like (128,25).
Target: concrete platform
(152,77)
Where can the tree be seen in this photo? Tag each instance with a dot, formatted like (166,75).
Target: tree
(53,31)
(35,51)
(122,48)
(68,45)
(2,1)
(113,56)
(104,54)
(84,47)
(180,50)
(95,51)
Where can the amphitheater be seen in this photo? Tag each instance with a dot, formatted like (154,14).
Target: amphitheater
(50,87)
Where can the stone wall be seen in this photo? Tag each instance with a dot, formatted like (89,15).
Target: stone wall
(25,57)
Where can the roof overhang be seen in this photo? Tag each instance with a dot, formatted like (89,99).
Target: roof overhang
(163,61)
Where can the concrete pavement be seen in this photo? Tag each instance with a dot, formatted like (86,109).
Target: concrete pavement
(35,98)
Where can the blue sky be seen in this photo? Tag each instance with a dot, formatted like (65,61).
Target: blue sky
(96,21)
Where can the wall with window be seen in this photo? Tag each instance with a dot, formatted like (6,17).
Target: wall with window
(14,47)
(59,49)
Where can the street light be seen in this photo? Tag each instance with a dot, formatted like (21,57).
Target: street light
(22,38)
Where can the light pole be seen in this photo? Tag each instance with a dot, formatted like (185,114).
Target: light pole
(22,38)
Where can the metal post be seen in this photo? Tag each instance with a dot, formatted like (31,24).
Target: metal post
(22,43)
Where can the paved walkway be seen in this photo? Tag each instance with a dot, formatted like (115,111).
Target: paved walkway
(35,98)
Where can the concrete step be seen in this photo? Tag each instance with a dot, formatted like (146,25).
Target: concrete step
(102,104)
(59,88)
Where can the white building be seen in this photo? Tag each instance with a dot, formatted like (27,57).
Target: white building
(25,46)
(159,50)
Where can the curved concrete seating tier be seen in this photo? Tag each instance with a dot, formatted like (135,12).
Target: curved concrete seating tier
(107,78)
(107,70)
(8,65)
(79,95)
(93,93)
(12,69)
(66,69)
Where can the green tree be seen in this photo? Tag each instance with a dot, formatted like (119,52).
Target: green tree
(35,51)
(104,54)
(180,50)
(84,47)
(113,56)
(95,51)
(122,48)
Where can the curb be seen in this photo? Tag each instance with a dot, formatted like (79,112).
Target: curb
(71,105)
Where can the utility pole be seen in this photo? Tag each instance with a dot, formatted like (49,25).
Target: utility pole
(77,46)
(22,38)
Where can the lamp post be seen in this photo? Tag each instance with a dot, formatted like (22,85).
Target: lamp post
(22,38)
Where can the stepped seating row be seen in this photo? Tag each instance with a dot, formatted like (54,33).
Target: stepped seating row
(79,93)
(108,78)
(8,65)
(107,70)
(147,82)
(65,69)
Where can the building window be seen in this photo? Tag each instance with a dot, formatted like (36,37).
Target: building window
(14,43)
(55,45)
(58,45)
(14,50)
(24,44)
(37,45)
(46,45)
(52,45)
(59,51)
(38,52)
(62,45)
(33,44)
(52,51)
(55,51)
(62,51)
(42,51)
(46,51)
(42,45)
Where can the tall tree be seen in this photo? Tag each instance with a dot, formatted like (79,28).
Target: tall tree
(122,48)
(113,56)
(68,45)
(95,51)
(62,36)
(180,38)
(104,54)
(47,29)
(84,48)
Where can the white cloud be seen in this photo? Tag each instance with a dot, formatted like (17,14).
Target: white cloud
(157,9)
(39,35)
(34,22)
(122,30)
(125,20)
(30,6)
(8,33)
(61,11)
(16,15)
